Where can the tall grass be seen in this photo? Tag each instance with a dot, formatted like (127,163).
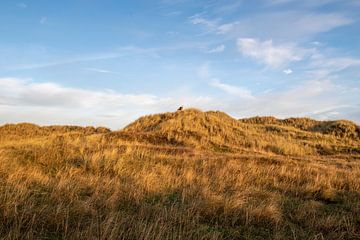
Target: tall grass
(115,185)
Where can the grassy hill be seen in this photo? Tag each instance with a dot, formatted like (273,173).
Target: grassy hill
(182,175)
(221,133)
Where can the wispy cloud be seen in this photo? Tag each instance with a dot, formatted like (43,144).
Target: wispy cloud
(70,60)
(315,23)
(227,27)
(217,49)
(321,66)
(211,25)
(116,53)
(232,90)
(334,63)
(198,19)
(290,25)
(119,52)
(266,52)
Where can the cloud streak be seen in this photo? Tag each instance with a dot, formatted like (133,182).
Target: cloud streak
(237,91)
(240,92)
(99,70)
(289,25)
(125,51)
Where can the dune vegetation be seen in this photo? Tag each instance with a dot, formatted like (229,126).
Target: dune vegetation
(182,175)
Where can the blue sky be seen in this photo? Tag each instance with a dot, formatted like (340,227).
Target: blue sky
(92,62)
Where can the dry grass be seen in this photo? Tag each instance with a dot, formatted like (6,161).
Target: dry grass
(183,175)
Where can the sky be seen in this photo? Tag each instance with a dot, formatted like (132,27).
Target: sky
(108,62)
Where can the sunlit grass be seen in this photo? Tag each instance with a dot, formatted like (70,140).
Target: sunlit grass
(86,184)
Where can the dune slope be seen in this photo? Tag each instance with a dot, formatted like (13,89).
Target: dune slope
(182,175)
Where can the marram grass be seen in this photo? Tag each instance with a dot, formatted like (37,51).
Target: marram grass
(182,175)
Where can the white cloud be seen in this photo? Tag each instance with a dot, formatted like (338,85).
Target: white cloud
(217,49)
(313,98)
(288,71)
(27,93)
(266,52)
(232,90)
(51,103)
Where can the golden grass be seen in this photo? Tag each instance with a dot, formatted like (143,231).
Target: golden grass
(179,180)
